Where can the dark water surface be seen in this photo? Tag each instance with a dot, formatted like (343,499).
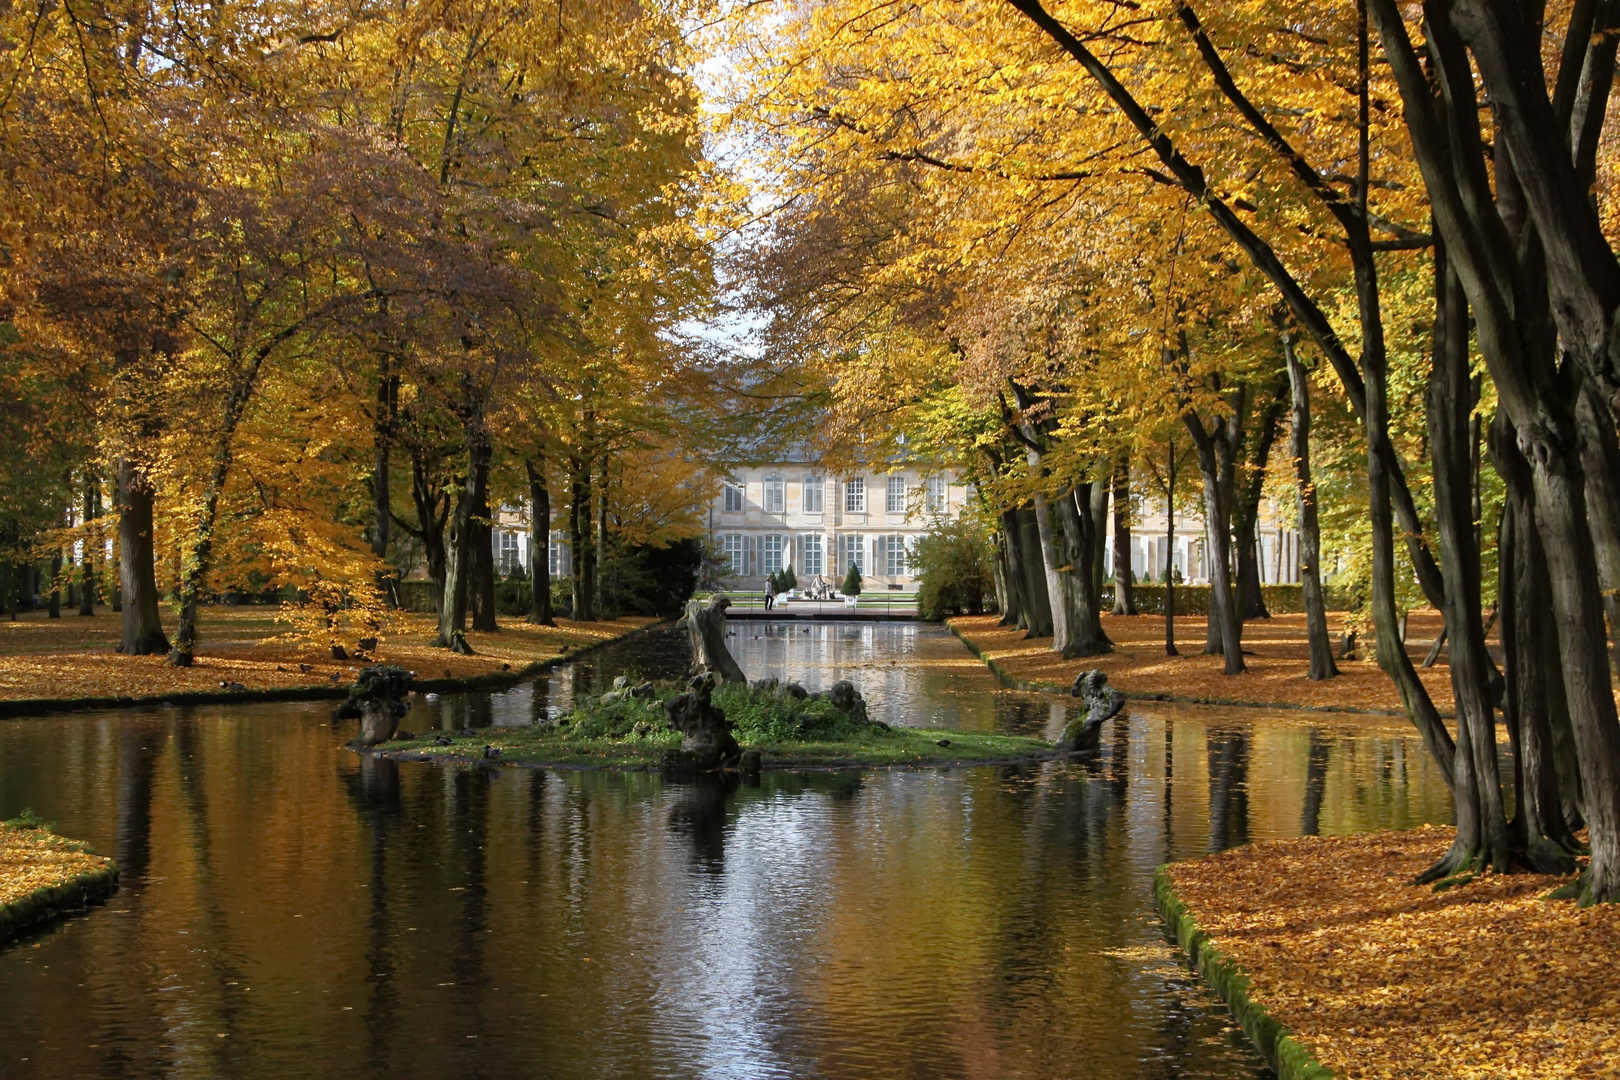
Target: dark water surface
(290,909)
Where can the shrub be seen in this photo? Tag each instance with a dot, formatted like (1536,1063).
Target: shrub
(27,820)
(953,564)
(852,581)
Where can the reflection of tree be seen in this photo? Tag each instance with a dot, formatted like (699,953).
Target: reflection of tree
(193,766)
(1228,789)
(127,1049)
(135,764)
(1316,767)
(469,834)
(374,791)
(700,814)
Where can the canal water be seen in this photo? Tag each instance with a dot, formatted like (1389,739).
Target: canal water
(289,909)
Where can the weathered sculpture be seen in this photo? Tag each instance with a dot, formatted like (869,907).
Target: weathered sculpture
(706,625)
(379,697)
(706,738)
(844,695)
(1103,702)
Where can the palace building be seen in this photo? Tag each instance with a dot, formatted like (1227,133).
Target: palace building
(797,514)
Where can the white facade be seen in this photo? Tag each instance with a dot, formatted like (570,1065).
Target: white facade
(799,515)
(1152,550)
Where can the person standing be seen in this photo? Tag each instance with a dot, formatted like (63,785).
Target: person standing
(770,593)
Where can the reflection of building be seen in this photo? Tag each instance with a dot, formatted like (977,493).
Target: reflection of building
(1151,550)
(796,514)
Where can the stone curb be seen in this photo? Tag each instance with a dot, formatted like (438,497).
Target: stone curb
(1012,682)
(326,692)
(56,900)
(1287,1056)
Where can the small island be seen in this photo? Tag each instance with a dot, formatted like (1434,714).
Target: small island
(43,875)
(718,720)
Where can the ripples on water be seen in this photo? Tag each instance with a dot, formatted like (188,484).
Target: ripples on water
(289,909)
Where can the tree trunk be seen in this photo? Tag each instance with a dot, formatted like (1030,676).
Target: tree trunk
(1246,506)
(1082,543)
(1010,555)
(1098,530)
(998,573)
(1215,454)
(1037,601)
(1124,580)
(54,608)
(1600,461)
(459,537)
(382,453)
(599,543)
(137,569)
(579,528)
(1539,828)
(1310,533)
(1509,299)
(1053,559)
(432,515)
(539,543)
(1482,832)
(1169,541)
(87,565)
(481,581)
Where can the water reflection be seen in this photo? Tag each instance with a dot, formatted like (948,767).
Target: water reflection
(290,909)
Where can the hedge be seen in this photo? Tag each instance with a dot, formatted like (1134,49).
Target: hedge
(1194,599)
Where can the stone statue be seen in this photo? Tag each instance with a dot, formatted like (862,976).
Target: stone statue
(706,625)
(706,738)
(379,697)
(1103,702)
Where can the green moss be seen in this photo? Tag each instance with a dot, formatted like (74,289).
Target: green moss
(1287,1055)
(590,748)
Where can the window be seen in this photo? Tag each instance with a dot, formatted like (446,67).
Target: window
(773,554)
(853,552)
(897,556)
(855,496)
(775,495)
(897,494)
(557,556)
(815,495)
(509,559)
(934,496)
(734,497)
(732,544)
(812,555)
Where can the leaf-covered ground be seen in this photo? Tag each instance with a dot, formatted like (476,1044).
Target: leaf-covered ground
(75,657)
(35,859)
(1384,979)
(1278,669)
